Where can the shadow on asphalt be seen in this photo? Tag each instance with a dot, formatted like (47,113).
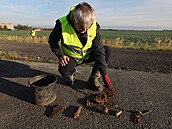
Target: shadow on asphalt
(79,85)
(10,69)
(70,111)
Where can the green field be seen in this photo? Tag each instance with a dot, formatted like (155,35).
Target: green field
(130,35)
(24,33)
(161,40)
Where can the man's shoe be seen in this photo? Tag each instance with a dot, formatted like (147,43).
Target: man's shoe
(94,82)
(69,80)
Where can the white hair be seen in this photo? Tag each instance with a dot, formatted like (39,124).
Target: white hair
(84,14)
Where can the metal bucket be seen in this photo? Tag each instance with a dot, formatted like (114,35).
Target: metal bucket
(44,89)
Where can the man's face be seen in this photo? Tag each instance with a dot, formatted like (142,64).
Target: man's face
(80,28)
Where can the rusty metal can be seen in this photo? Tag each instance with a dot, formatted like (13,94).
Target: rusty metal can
(44,89)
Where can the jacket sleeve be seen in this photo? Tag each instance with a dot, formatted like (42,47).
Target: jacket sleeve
(99,52)
(54,38)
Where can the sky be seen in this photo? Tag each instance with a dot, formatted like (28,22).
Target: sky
(110,14)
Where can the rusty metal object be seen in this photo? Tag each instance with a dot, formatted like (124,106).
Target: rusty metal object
(45,89)
(106,97)
(139,114)
(96,106)
(100,98)
(137,117)
(78,112)
(105,110)
(108,92)
(146,112)
(118,113)
(56,110)
(88,103)
(103,101)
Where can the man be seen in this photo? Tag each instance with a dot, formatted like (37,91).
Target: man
(81,42)
(33,33)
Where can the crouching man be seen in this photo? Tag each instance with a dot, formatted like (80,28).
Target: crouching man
(80,42)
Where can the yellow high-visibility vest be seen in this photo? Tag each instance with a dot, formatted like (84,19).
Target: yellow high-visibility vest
(71,45)
(33,33)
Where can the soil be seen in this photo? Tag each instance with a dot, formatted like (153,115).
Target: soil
(125,59)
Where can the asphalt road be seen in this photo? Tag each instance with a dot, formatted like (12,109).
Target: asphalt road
(135,90)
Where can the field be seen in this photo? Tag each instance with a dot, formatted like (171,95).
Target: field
(147,40)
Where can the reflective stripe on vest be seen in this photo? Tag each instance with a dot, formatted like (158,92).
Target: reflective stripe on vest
(71,44)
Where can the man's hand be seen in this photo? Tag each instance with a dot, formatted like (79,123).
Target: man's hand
(63,60)
(107,81)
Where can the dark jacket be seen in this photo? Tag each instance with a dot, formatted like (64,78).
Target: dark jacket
(97,46)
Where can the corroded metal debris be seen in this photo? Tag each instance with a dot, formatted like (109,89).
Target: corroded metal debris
(105,110)
(56,110)
(96,106)
(103,101)
(118,113)
(138,114)
(77,113)
(137,117)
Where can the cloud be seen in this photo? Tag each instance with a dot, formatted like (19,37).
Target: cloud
(136,13)
(108,13)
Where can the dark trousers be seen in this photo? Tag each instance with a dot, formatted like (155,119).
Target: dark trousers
(69,68)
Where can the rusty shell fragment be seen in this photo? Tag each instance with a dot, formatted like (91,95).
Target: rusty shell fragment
(78,112)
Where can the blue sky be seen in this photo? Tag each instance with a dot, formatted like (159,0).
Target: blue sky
(120,14)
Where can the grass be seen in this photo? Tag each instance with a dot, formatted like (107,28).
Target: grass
(156,45)
(146,40)
(15,56)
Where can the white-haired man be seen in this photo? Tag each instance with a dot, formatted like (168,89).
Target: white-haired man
(81,42)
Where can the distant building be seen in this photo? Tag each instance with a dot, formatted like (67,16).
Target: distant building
(8,25)
(37,29)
